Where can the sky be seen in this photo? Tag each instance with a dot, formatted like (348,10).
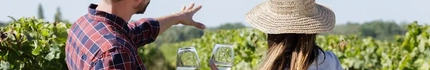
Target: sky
(216,12)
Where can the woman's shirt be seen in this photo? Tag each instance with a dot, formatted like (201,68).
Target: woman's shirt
(331,62)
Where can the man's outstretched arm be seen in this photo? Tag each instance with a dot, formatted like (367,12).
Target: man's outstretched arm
(146,30)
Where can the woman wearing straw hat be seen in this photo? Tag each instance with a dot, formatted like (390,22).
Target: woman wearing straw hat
(291,27)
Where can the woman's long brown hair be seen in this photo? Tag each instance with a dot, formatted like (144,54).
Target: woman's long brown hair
(290,51)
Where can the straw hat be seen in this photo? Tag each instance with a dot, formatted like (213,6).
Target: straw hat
(291,16)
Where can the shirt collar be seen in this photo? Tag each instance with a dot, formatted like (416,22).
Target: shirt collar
(104,16)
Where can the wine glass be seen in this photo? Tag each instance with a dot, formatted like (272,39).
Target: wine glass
(223,56)
(187,59)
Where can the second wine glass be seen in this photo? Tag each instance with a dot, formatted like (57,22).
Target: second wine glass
(223,56)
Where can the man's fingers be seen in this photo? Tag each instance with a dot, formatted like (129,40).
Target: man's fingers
(183,8)
(191,6)
(197,8)
(199,25)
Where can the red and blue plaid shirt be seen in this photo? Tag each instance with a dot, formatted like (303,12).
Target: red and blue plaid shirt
(103,41)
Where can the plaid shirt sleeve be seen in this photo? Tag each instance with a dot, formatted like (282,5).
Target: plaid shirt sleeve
(144,31)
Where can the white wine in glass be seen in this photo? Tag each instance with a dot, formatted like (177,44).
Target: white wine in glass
(187,59)
(223,56)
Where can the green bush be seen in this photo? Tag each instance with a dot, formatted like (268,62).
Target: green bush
(409,52)
(33,44)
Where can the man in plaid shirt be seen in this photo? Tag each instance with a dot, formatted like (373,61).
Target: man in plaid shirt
(103,39)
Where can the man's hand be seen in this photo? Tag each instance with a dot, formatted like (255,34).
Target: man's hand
(185,16)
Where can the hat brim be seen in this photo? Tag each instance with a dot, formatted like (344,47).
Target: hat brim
(272,23)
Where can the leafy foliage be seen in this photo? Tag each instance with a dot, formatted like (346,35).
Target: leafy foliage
(153,58)
(410,52)
(33,44)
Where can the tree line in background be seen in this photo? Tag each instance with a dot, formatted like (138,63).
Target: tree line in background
(184,33)
(378,29)
(57,15)
(41,15)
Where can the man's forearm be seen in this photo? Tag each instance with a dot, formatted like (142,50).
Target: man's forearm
(167,21)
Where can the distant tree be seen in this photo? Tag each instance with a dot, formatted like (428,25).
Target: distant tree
(385,30)
(179,34)
(190,33)
(227,26)
(378,29)
(346,29)
(2,24)
(40,14)
(58,16)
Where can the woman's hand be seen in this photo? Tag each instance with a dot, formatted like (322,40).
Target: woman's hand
(212,65)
